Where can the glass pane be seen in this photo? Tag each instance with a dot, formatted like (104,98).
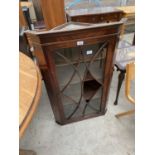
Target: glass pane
(80,72)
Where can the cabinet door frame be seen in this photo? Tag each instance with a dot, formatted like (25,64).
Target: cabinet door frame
(57,104)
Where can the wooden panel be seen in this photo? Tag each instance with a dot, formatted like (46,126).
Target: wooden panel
(22,21)
(130,75)
(53,12)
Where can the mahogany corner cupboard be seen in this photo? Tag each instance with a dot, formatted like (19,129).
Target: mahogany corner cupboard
(76,61)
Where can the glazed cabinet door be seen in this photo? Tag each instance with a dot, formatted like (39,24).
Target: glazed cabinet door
(80,73)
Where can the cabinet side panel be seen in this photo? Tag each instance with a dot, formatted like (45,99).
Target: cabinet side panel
(108,71)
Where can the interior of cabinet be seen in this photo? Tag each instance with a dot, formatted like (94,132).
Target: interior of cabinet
(80,72)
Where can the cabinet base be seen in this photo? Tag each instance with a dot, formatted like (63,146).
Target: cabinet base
(81,118)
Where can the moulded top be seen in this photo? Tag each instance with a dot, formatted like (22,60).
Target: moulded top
(71,26)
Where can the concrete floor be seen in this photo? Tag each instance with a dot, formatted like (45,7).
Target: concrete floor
(104,135)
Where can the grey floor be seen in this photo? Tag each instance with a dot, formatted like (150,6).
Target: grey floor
(104,135)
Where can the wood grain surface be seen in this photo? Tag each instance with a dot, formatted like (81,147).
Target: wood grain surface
(53,12)
(29,90)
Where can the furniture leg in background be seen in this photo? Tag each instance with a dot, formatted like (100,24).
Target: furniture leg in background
(123,57)
(130,75)
(27,16)
(133,43)
(23,25)
(120,81)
